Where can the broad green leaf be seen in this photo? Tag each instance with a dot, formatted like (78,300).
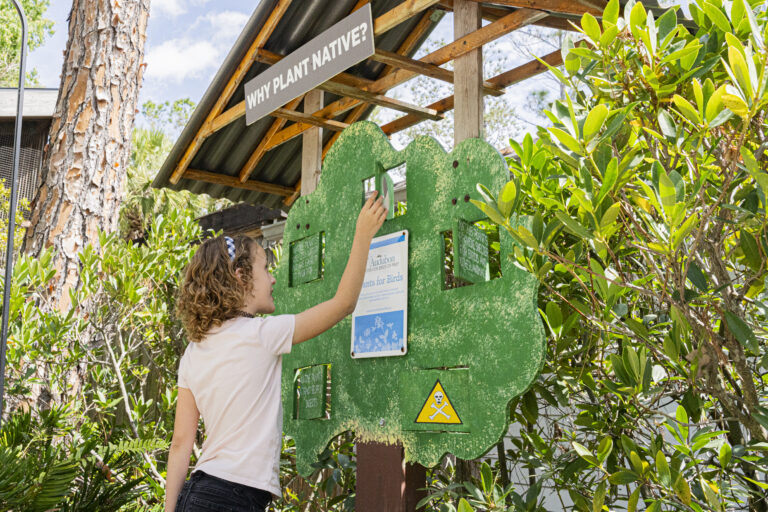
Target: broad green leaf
(573,226)
(740,69)
(611,13)
(633,499)
(609,35)
(667,124)
(662,469)
(464,506)
(507,199)
(697,277)
(599,498)
(742,332)
(698,93)
(679,234)
(566,140)
(594,122)
(725,455)
(604,449)
(637,17)
(490,211)
(709,494)
(716,16)
(591,27)
(572,63)
(526,236)
(610,215)
(487,479)
(749,159)
(687,109)
(682,489)
(582,450)
(609,180)
(667,191)
(750,249)
(691,48)
(623,478)
(715,104)
(735,104)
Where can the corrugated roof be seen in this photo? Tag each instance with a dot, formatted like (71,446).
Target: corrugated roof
(227,150)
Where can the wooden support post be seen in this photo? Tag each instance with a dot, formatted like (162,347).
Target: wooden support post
(311,145)
(468,74)
(386,481)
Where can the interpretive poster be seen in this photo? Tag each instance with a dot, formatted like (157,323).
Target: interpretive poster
(380,320)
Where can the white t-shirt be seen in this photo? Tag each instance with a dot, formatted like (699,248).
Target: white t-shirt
(234,375)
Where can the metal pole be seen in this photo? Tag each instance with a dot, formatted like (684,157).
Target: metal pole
(14,200)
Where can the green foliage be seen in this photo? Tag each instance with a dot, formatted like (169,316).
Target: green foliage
(38,28)
(649,192)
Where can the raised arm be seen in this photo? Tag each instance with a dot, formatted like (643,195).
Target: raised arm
(320,318)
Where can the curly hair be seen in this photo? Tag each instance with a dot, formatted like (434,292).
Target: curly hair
(211,291)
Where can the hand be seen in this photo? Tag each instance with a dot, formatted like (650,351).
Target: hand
(371,217)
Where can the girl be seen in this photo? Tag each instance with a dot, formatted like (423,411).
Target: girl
(230,373)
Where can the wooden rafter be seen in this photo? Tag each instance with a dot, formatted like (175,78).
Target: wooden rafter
(399,14)
(502,80)
(234,81)
(258,153)
(488,33)
(379,99)
(232,181)
(574,7)
(422,68)
(495,13)
(301,117)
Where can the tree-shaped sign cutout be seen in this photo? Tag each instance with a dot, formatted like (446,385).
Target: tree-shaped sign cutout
(483,343)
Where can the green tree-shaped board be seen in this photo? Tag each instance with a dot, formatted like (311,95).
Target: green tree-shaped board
(483,342)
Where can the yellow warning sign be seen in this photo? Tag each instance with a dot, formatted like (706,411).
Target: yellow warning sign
(438,408)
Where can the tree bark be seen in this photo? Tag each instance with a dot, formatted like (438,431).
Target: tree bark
(89,146)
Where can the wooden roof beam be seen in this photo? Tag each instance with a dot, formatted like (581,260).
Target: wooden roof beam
(258,153)
(422,68)
(399,14)
(381,100)
(575,7)
(234,81)
(301,117)
(484,35)
(505,79)
(233,181)
(495,13)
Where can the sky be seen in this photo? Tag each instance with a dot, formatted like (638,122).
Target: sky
(187,41)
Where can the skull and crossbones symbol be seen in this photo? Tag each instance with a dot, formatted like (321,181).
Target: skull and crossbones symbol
(439,402)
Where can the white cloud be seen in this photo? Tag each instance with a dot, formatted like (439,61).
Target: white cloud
(178,59)
(170,8)
(225,25)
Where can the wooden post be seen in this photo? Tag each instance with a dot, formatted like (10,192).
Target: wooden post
(468,75)
(468,109)
(385,481)
(311,145)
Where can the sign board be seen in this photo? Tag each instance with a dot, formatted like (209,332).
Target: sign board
(470,253)
(311,387)
(380,320)
(305,259)
(340,47)
(484,344)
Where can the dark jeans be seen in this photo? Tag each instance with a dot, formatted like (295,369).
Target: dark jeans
(205,492)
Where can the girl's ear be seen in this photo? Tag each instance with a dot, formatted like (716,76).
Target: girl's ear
(239,274)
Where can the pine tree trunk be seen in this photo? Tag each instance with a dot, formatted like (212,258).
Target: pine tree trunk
(85,165)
